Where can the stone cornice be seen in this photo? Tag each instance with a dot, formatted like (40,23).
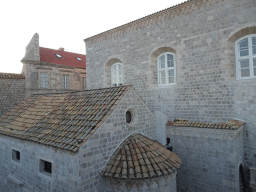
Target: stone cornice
(169,13)
(220,134)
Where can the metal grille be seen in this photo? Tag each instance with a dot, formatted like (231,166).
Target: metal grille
(47,167)
(17,155)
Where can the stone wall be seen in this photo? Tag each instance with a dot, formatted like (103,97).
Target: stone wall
(159,184)
(64,167)
(12,91)
(99,148)
(202,35)
(210,158)
(33,69)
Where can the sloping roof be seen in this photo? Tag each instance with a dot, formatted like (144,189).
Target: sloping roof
(63,120)
(232,124)
(140,157)
(11,76)
(67,58)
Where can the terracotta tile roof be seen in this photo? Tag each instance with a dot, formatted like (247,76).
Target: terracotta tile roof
(63,120)
(49,56)
(139,157)
(11,76)
(232,124)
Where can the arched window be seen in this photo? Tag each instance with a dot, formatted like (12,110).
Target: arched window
(246,57)
(166,68)
(117,74)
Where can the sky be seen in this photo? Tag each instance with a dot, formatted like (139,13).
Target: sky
(63,23)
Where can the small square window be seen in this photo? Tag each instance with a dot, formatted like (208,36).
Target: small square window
(45,167)
(79,59)
(15,155)
(59,56)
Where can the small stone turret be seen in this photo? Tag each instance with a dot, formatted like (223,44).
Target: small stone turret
(32,49)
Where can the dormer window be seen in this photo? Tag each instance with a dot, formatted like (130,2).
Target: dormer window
(79,59)
(57,55)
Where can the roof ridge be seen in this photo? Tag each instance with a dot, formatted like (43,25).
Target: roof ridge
(177,9)
(11,76)
(75,91)
(62,51)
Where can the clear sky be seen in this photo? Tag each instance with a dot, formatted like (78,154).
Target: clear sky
(63,23)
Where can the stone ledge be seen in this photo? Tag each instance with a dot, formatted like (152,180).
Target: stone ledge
(219,134)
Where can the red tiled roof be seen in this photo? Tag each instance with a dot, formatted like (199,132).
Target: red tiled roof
(49,56)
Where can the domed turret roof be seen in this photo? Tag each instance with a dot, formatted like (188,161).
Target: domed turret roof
(140,157)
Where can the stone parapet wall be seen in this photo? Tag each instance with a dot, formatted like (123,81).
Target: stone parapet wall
(12,91)
(210,158)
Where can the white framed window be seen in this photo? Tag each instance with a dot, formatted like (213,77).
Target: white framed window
(117,74)
(44,80)
(65,81)
(246,57)
(166,69)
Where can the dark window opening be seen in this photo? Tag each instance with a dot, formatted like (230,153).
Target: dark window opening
(128,117)
(242,184)
(45,167)
(15,155)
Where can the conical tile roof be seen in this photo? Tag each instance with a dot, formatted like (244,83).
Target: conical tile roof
(140,157)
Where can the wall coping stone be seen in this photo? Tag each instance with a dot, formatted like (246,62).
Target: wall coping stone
(219,134)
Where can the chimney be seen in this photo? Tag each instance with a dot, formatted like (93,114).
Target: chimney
(61,49)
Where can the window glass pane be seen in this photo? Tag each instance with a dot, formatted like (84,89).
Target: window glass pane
(254,41)
(244,63)
(254,45)
(171,73)
(254,62)
(254,69)
(171,79)
(162,80)
(43,80)
(245,72)
(162,62)
(162,77)
(170,60)
(114,80)
(243,47)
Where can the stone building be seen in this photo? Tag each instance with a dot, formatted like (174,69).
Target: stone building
(49,70)
(12,91)
(61,142)
(195,61)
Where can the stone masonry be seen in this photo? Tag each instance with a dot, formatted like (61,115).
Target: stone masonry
(12,91)
(73,172)
(211,158)
(202,34)
(33,66)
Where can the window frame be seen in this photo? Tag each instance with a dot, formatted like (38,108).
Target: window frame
(64,86)
(42,162)
(117,76)
(41,80)
(250,57)
(166,69)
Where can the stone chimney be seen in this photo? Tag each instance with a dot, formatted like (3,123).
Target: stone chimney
(61,49)
(32,49)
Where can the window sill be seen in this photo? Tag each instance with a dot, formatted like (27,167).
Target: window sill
(165,86)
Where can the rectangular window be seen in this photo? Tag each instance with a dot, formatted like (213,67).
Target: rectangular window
(84,82)
(43,80)
(45,167)
(65,81)
(15,155)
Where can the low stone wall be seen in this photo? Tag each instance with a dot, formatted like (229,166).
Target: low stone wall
(210,158)
(159,184)
(12,91)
